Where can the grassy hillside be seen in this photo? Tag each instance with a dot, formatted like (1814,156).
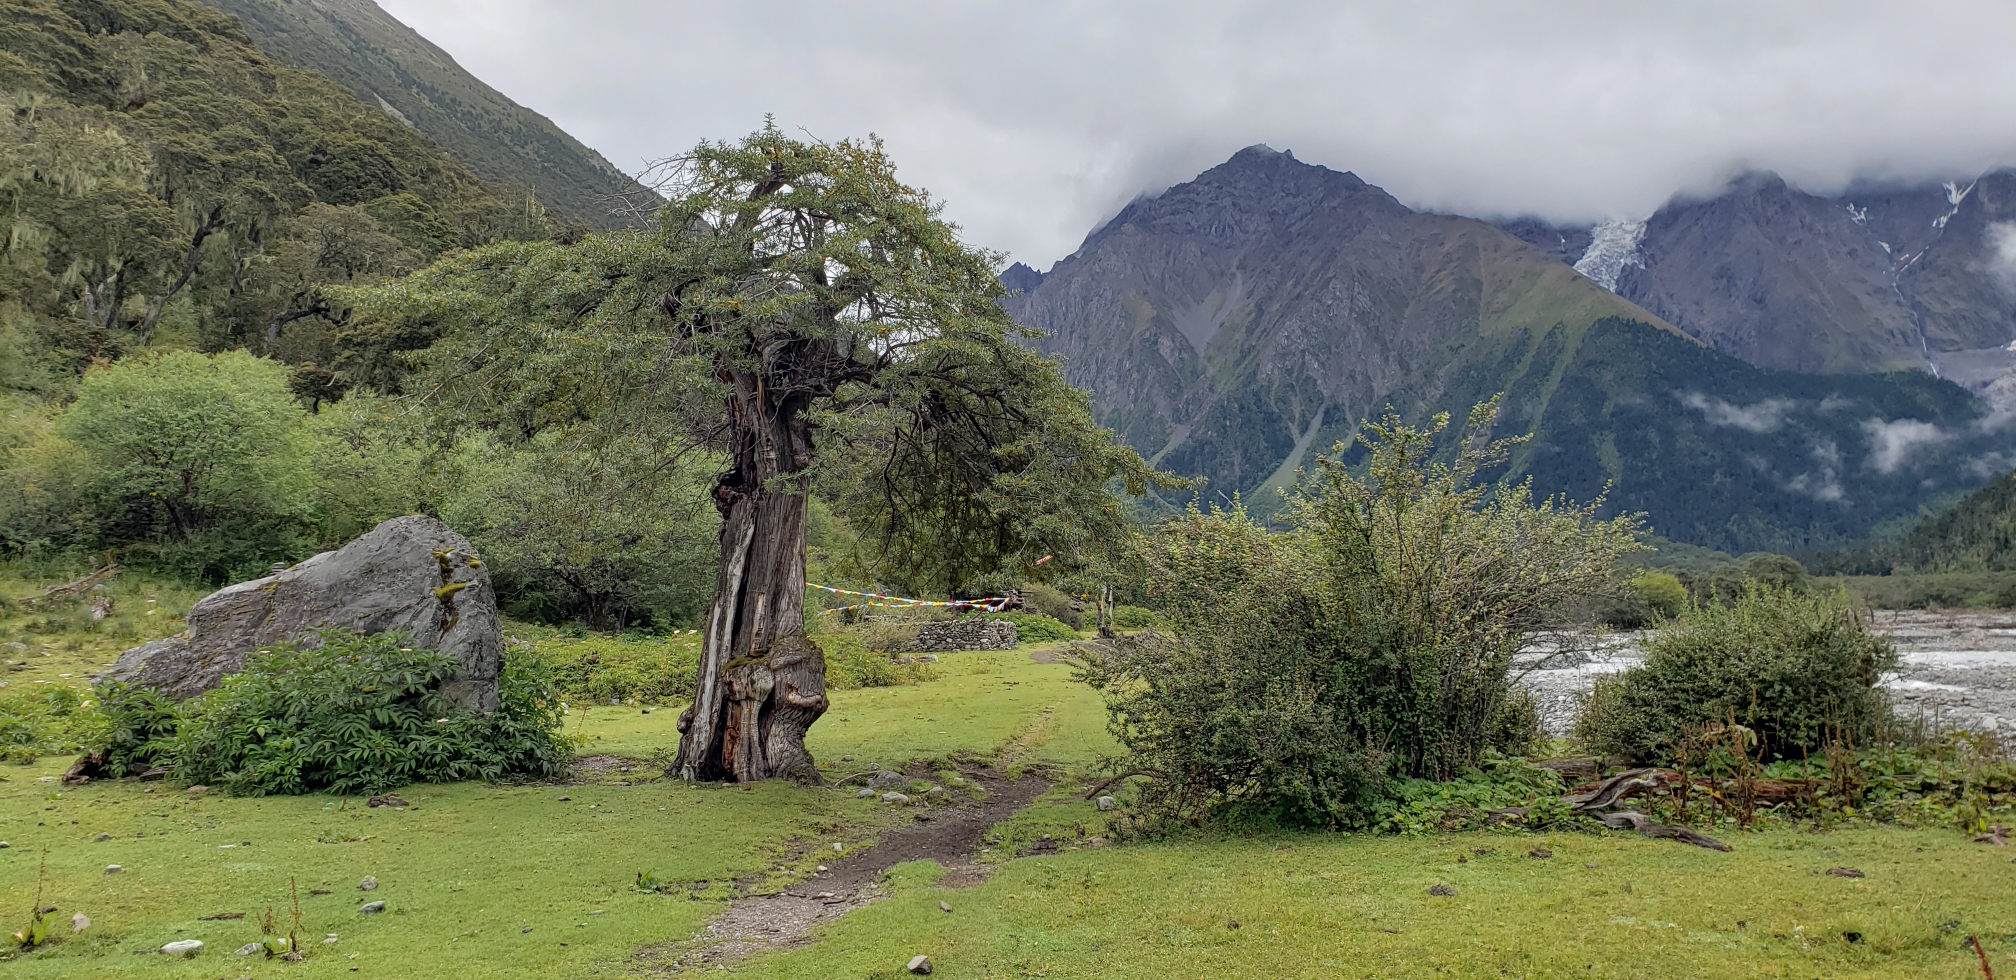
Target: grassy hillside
(388,65)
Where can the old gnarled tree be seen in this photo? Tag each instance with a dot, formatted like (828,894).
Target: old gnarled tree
(799,310)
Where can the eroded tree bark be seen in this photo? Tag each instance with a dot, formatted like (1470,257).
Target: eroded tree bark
(762,683)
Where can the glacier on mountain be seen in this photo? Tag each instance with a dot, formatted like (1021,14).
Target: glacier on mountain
(1613,246)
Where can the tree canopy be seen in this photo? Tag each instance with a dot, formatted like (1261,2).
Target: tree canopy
(955,447)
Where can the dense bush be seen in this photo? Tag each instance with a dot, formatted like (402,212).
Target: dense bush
(1650,597)
(1047,601)
(1953,590)
(1787,665)
(1310,669)
(1135,618)
(1036,628)
(133,729)
(361,714)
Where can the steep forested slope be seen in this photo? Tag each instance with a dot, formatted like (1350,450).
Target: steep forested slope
(162,181)
(388,64)
(1977,535)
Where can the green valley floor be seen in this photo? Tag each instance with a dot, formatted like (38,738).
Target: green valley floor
(537,881)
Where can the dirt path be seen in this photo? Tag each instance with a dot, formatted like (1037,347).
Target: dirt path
(950,835)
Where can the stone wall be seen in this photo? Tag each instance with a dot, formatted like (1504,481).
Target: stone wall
(966,634)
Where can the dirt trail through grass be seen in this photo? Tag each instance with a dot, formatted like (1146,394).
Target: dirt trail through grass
(783,919)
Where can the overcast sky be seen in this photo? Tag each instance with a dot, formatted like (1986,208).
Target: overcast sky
(1034,121)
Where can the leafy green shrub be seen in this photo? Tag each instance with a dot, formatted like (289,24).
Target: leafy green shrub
(1651,597)
(361,714)
(1661,592)
(134,728)
(1036,628)
(1047,601)
(200,457)
(1468,802)
(1789,666)
(1310,670)
(1135,618)
(1516,729)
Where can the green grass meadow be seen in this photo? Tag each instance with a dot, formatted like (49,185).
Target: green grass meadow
(535,881)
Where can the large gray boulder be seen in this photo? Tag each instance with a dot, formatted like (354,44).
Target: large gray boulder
(410,574)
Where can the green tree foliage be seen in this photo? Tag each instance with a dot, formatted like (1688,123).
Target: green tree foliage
(1978,534)
(360,714)
(150,155)
(1793,667)
(615,538)
(176,445)
(201,465)
(799,308)
(1372,641)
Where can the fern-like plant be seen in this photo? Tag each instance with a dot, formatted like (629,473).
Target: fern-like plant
(361,714)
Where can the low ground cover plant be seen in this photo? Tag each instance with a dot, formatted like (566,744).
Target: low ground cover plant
(357,714)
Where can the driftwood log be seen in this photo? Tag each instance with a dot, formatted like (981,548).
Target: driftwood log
(69,589)
(1631,782)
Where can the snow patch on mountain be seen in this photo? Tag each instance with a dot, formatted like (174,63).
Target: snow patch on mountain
(1613,247)
(1954,195)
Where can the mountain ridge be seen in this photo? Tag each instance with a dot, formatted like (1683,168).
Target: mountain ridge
(386,63)
(1234,323)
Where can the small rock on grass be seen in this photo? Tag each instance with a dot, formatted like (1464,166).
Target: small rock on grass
(104,837)
(183,947)
(1107,803)
(250,949)
(920,965)
(1540,852)
(1443,890)
(370,883)
(942,907)
(1846,872)
(866,794)
(895,797)
(371,908)
(113,869)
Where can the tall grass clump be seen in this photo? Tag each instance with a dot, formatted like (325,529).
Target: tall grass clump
(1306,671)
(358,714)
(1798,669)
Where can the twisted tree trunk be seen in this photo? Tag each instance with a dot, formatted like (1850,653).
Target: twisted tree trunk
(761,682)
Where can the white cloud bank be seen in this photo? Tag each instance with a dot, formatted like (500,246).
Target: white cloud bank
(1765,416)
(1891,444)
(1036,120)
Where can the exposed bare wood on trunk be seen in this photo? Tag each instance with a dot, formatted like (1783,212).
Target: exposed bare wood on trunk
(762,682)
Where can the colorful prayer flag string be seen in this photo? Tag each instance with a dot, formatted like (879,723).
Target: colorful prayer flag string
(991,603)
